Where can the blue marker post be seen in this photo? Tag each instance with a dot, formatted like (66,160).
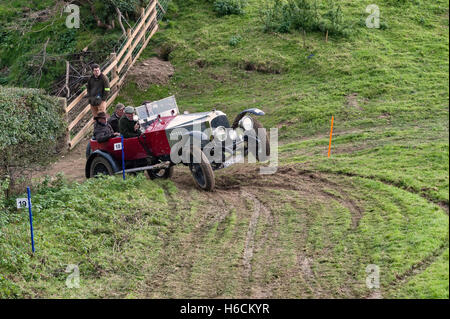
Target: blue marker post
(31,218)
(123,160)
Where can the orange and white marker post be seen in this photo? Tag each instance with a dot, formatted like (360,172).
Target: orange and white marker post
(331,136)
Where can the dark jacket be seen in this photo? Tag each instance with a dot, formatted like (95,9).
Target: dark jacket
(98,87)
(126,128)
(114,122)
(103,133)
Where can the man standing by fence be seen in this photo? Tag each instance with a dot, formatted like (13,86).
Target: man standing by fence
(98,90)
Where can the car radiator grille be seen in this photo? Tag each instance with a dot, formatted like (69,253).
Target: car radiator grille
(221,120)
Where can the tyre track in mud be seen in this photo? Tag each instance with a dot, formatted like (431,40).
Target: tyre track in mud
(176,262)
(443,205)
(302,266)
(421,265)
(250,238)
(290,178)
(356,211)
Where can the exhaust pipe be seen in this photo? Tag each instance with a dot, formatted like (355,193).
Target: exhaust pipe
(139,169)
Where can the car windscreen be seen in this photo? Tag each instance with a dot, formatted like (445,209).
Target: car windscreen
(164,107)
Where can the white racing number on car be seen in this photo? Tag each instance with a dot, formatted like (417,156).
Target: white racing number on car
(117,146)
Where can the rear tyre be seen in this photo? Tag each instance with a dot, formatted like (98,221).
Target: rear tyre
(164,173)
(201,170)
(100,166)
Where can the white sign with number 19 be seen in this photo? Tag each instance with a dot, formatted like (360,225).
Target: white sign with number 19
(22,202)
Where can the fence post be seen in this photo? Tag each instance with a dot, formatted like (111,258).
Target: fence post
(130,59)
(63,140)
(67,79)
(145,23)
(114,70)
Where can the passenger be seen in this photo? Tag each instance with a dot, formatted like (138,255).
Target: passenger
(128,127)
(115,117)
(102,130)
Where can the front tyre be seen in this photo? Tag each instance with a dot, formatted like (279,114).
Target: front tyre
(255,147)
(262,153)
(201,170)
(100,166)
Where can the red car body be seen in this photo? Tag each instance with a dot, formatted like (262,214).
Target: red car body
(155,139)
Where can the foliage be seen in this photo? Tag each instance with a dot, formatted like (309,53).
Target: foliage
(227,7)
(31,125)
(234,40)
(8,289)
(303,15)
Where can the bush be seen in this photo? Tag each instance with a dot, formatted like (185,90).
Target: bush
(303,15)
(234,40)
(227,7)
(32,124)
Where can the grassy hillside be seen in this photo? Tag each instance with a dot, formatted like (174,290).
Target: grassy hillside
(310,230)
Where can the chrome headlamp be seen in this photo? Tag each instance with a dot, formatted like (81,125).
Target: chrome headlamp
(246,123)
(220,133)
(233,134)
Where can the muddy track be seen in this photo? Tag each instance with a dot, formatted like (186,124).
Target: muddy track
(248,183)
(291,178)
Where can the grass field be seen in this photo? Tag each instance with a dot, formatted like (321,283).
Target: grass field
(308,231)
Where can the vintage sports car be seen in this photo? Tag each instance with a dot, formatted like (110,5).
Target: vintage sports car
(202,141)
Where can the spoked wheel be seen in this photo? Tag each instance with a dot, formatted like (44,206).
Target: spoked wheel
(201,170)
(163,173)
(100,166)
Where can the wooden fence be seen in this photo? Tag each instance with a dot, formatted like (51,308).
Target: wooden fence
(116,68)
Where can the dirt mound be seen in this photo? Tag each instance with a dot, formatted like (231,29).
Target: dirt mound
(151,71)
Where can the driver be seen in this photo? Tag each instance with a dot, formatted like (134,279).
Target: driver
(128,126)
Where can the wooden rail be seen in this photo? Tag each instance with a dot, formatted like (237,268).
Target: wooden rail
(120,62)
